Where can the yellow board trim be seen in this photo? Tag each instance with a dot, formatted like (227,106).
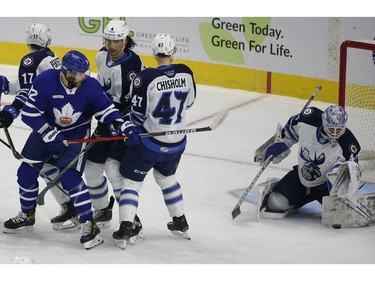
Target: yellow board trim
(211,74)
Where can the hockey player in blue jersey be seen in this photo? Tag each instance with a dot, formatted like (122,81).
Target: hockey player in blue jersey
(160,98)
(60,107)
(39,59)
(324,145)
(117,66)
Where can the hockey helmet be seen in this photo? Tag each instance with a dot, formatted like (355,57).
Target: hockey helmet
(116,30)
(163,44)
(75,61)
(334,121)
(38,34)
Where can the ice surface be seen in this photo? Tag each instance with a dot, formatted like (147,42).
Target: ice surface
(214,172)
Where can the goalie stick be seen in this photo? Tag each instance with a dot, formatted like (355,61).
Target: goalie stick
(236,210)
(16,154)
(219,119)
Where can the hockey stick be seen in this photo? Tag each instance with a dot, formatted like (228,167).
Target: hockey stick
(37,169)
(237,211)
(40,198)
(16,154)
(219,119)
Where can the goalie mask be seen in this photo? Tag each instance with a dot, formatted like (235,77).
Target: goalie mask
(38,34)
(163,44)
(334,121)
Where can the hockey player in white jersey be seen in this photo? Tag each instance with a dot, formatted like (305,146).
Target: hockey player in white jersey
(324,145)
(60,107)
(39,59)
(160,98)
(117,66)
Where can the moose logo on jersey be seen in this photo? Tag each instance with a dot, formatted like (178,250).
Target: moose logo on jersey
(310,170)
(66,116)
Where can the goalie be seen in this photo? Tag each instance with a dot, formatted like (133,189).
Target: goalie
(325,148)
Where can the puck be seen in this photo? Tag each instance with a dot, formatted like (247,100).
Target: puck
(336,226)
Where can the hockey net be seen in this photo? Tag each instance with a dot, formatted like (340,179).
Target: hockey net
(357,96)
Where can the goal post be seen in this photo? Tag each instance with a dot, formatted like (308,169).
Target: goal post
(357,93)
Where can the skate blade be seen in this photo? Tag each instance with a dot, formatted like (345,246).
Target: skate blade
(93,243)
(23,229)
(181,234)
(121,243)
(62,226)
(137,238)
(103,224)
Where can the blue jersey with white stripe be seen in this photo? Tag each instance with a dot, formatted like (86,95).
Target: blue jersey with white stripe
(70,110)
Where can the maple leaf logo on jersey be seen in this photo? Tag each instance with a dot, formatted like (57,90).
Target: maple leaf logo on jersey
(66,116)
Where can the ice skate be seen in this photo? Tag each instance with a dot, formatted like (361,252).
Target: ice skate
(67,219)
(136,234)
(90,235)
(21,223)
(122,236)
(179,227)
(103,217)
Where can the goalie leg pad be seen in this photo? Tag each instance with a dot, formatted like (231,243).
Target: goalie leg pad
(278,207)
(264,189)
(277,202)
(339,211)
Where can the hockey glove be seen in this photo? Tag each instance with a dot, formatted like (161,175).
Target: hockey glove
(132,133)
(278,151)
(115,128)
(4,85)
(7,115)
(53,139)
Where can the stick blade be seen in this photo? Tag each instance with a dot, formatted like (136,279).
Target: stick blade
(219,119)
(40,198)
(236,212)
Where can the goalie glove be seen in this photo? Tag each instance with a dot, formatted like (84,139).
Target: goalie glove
(344,180)
(275,147)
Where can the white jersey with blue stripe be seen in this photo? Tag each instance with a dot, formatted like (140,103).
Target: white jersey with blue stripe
(160,97)
(316,154)
(116,77)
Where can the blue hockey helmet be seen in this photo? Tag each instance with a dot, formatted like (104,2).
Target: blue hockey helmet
(75,61)
(334,121)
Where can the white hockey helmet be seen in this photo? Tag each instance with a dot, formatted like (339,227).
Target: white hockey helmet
(163,44)
(334,121)
(116,30)
(38,34)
